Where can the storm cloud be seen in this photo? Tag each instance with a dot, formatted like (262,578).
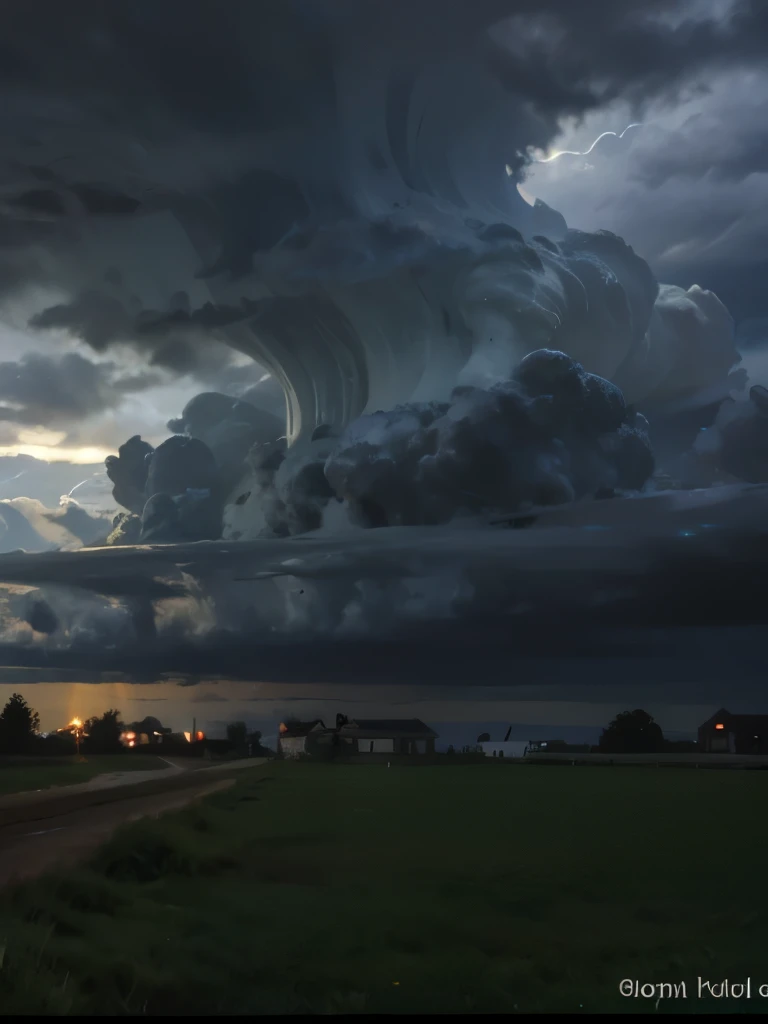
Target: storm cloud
(171,340)
(48,391)
(269,137)
(330,189)
(689,186)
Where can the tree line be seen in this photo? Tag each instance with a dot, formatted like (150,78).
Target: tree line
(100,734)
(636,732)
(20,732)
(630,732)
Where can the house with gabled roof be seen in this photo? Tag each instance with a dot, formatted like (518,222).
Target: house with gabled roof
(725,733)
(385,735)
(296,738)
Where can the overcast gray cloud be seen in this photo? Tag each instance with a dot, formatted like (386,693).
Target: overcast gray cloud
(45,391)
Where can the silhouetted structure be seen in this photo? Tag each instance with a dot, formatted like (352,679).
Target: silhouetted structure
(387,736)
(297,738)
(725,733)
(547,747)
(148,732)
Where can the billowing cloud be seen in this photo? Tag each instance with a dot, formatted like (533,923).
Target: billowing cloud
(324,187)
(607,592)
(360,115)
(374,150)
(689,187)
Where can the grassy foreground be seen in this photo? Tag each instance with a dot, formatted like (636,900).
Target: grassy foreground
(325,888)
(41,773)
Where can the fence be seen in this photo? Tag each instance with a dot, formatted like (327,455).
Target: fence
(696,760)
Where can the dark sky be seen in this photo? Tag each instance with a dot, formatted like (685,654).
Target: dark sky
(151,151)
(154,152)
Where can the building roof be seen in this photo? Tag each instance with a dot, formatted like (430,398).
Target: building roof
(387,728)
(295,729)
(737,721)
(148,725)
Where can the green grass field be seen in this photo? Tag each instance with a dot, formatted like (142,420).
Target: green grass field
(44,772)
(326,888)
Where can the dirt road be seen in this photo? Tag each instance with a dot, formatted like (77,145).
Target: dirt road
(67,827)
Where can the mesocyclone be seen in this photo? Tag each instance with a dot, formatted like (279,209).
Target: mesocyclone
(392,256)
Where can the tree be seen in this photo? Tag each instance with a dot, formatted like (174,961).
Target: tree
(56,744)
(632,732)
(19,725)
(102,734)
(256,747)
(237,733)
(484,737)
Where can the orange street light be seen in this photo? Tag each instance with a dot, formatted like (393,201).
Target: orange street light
(77,725)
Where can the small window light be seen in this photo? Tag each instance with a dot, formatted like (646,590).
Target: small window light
(719,725)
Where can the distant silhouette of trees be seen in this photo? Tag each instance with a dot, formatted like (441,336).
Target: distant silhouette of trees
(255,747)
(102,733)
(632,732)
(56,744)
(484,737)
(237,733)
(19,726)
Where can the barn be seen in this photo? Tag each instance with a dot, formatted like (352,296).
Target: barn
(725,733)
(386,735)
(297,738)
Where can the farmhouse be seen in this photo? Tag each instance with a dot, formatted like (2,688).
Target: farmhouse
(297,738)
(725,733)
(150,732)
(147,732)
(386,735)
